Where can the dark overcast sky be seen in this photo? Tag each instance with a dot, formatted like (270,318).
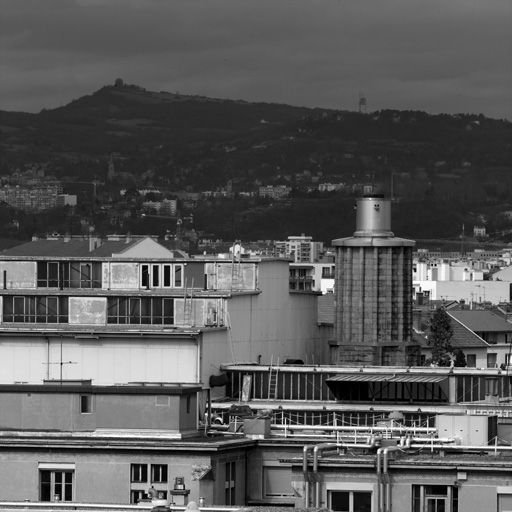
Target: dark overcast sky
(433,55)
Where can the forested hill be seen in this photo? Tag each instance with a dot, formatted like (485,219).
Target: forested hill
(458,165)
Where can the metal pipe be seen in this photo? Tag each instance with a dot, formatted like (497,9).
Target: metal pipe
(380,503)
(385,474)
(305,451)
(319,448)
(369,430)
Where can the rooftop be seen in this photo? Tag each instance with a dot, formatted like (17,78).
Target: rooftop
(481,320)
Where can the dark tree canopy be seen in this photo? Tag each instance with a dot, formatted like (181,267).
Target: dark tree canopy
(440,336)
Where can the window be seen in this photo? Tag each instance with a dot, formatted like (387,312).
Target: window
(158,473)
(471,360)
(140,310)
(137,495)
(30,309)
(55,485)
(350,501)
(139,473)
(159,275)
(74,274)
(434,498)
(229,483)
(491,386)
(491,360)
(85,404)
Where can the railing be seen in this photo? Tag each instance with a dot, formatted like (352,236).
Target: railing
(52,506)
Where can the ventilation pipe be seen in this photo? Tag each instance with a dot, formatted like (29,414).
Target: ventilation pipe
(305,451)
(383,483)
(317,452)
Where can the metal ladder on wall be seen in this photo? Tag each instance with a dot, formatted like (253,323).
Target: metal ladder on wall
(273,372)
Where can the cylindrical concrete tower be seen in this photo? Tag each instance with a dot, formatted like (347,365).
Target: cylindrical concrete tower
(373,286)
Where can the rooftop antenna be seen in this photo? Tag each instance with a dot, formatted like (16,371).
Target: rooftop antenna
(462,235)
(362,103)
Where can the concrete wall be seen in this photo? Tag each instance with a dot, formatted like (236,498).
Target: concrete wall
(274,323)
(103,476)
(18,274)
(106,360)
(87,310)
(61,411)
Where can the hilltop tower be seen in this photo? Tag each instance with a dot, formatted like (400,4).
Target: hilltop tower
(373,285)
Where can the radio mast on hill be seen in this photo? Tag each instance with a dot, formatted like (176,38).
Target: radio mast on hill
(362,103)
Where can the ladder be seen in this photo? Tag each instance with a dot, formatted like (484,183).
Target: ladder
(273,372)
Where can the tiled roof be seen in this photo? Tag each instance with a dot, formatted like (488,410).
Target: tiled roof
(481,321)
(464,337)
(71,248)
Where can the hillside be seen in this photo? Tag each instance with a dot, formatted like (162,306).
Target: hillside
(446,169)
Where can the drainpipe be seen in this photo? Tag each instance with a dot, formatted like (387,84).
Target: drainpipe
(380,494)
(385,475)
(305,451)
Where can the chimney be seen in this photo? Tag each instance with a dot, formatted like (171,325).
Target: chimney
(94,242)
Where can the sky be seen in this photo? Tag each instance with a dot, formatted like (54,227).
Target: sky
(451,56)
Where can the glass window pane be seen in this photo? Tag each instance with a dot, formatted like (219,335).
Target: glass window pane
(167,275)
(8,309)
(145,310)
(52,309)
(19,309)
(85,275)
(156,275)
(53,274)
(362,501)
(96,275)
(144,276)
(168,311)
(157,311)
(340,501)
(74,277)
(41,309)
(134,311)
(178,271)
(42,273)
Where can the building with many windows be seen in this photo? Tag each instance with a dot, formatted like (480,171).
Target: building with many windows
(129,310)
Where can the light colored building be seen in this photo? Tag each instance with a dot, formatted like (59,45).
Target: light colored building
(66,200)
(470,292)
(128,310)
(301,249)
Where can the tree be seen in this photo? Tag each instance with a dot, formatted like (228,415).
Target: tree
(439,339)
(460,358)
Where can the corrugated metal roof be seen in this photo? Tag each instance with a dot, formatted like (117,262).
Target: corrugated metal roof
(326,309)
(401,377)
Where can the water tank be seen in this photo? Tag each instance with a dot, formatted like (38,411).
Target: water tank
(373,216)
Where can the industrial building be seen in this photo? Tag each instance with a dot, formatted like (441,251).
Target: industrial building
(373,286)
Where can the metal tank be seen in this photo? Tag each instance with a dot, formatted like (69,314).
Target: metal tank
(373,216)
